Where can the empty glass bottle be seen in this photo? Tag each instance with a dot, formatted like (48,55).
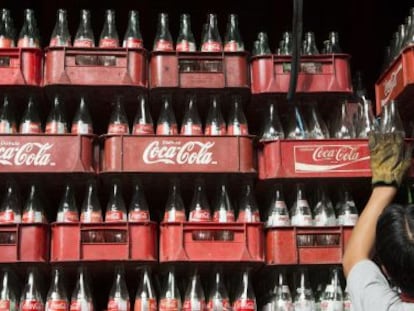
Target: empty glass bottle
(163,39)
(317,127)
(10,208)
(174,208)
(342,127)
(109,35)
(138,208)
(218,297)
(285,46)
(56,121)
(170,299)
(200,210)
(145,298)
(309,47)
(57,298)
(133,37)
(324,212)
(215,124)
(31,298)
(245,297)
(82,121)
(118,122)
(263,44)
(185,40)
(297,128)
(304,299)
(9,299)
(283,297)
(115,208)
(332,297)
(33,211)
(119,296)
(237,123)
(272,129)
(366,121)
(194,295)
(232,40)
(8,36)
(7,118)
(143,124)
(67,210)
(167,124)
(248,207)
(346,209)
(211,41)
(30,122)
(82,295)
(191,124)
(84,35)
(91,211)
(29,36)
(391,121)
(277,214)
(334,42)
(60,34)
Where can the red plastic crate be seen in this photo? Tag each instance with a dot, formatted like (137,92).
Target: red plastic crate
(199,70)
(245,242)
(47,153)
(24,243)
(110,241)
(95,67)
(314,158)
(21,66)
(325,73)
(284,245)
(178,154)
(397,81)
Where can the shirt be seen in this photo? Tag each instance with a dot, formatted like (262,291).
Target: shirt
(369,290)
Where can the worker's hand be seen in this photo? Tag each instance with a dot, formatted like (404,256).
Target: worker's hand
(390,158)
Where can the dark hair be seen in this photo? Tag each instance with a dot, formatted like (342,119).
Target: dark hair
(395,245)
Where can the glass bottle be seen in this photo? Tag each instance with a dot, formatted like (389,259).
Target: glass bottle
(145,299)
(67,210)
(215,124)
(57,298)
(82,295)
(133,37)
(115,208)
(30,122)
(332,297)
(401,37)
(218,297)
(191,124)
(346,209)
(200,210)
(223,212)
(410,31)
(60,34)
(91,211)
(118,122)
(248,207)
(7,118)
(283,297)
(366,121)
(245,297)
(10,208)
(8,294)
(301,214)
(170,299)
(237,123)
(343,128)
(174,208)
(84,35)
(163,39)
(185,40)
(392,123)
(334,41)
(31,298)
(29,34)
(56,121)
(138,208)
(232,40)
(167,124)
(143,124)
(297,128)
(304,298)
(211,41)
(323,211)
(194,295)
(263,47)
(309,47)
(9,32)
(82,121)
(272,129)
(277,214)
(317,127)
(109,35)
(118,295)
(33,209)
(286,44)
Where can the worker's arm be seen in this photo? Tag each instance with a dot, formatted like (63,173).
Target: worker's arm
(390,159)
(362,239)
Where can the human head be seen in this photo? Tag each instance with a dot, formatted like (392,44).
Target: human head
(395,245)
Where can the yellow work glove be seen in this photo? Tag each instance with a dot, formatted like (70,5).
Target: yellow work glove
(390,158)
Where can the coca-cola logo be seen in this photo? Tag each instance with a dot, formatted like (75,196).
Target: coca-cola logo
(338,154)
(27,154)
(177,152)
(391,83)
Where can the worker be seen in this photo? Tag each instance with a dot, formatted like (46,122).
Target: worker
(386,230)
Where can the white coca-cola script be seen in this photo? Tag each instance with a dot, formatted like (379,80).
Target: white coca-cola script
(340,154)
(191,152)
(27,154)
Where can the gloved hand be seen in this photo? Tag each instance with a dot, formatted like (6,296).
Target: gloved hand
(390,158)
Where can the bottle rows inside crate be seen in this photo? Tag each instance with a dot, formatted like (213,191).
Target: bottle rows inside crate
(327,297)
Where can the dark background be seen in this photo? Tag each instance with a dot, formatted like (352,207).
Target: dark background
(365,26)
